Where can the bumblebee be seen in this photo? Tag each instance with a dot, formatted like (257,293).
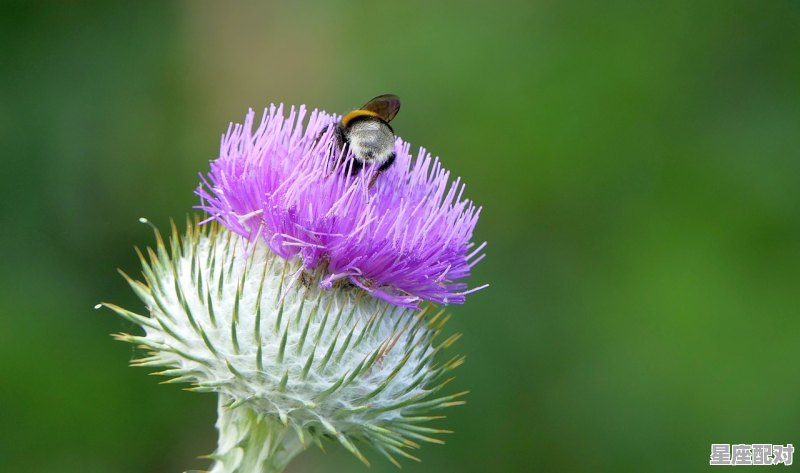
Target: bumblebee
(367,133)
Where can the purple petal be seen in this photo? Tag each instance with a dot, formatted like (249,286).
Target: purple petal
(405,239)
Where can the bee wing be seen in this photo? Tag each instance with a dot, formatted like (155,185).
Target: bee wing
(386,106)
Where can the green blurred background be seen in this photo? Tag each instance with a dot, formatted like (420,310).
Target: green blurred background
(638,166)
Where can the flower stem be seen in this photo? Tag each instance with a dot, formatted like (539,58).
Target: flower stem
(249,443)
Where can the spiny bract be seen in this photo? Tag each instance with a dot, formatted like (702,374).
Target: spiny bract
(229,316)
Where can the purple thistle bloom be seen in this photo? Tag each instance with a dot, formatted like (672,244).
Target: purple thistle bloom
(404,239)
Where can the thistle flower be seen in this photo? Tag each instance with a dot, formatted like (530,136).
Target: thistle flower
(403,240)
(251,306)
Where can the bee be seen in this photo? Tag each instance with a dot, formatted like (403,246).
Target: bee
(367,133)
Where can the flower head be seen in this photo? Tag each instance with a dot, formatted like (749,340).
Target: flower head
(299,304)
(405,239)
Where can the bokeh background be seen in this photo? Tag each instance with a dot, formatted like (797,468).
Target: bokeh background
(638,164)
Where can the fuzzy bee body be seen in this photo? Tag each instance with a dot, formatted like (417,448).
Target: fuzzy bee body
(367,134)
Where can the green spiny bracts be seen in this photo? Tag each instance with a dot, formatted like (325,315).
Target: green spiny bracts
(292,363)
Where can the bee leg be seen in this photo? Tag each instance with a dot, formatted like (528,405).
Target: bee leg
(340,142)
(382,168)
(322,132)
(338,133)
(335,134)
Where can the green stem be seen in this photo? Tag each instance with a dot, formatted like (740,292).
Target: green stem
(252,444)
